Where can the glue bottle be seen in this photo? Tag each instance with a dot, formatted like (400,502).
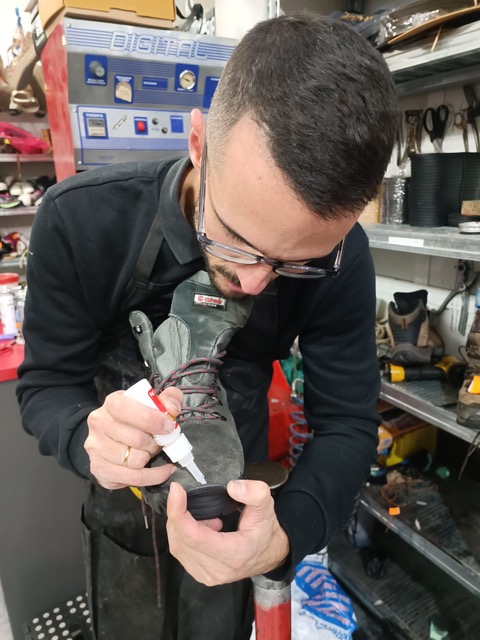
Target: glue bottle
(175,444)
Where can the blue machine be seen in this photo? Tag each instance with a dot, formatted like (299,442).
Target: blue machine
(131,89)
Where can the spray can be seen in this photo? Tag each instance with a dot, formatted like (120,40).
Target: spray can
(7,304)
(7,313)
(19,294)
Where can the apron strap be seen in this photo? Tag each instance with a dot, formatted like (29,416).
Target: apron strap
(148,255)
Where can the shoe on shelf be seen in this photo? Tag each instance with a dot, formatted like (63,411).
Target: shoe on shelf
(412,339)
(22,59)
(186,351)
(8,201)
(23,101)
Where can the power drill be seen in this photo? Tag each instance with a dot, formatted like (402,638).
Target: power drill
(449,369)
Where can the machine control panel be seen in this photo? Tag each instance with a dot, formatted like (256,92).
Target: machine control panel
(111,133)
(139,87)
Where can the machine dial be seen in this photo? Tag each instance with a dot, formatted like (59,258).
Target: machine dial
(96,69)
(187,80)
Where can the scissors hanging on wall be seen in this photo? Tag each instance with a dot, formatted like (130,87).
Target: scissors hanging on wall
(435,124)
(460,122)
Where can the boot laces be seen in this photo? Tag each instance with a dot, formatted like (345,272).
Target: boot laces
(194,367)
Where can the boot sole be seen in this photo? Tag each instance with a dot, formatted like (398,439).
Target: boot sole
(210,501)
(406,353)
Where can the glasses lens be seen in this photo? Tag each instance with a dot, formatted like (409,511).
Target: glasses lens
(229,254)
(307,272)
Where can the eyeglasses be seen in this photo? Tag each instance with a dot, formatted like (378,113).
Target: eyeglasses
(232,254)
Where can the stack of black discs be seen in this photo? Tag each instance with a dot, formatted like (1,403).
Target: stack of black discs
(439,184)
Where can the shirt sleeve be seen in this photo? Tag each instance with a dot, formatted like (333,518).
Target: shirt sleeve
(341,390)
(56,391)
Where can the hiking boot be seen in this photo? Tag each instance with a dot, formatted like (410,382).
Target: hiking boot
(413,341)
(186,351)
(468,404)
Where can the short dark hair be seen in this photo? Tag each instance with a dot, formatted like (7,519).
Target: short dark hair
(326,102)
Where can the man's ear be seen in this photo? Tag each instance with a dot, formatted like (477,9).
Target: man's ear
(196,138)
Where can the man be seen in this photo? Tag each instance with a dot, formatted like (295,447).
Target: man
(299,134)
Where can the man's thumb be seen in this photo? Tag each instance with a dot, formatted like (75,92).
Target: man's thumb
(253,493)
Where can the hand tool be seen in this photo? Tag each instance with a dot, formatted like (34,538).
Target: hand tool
(449,369)
(413,120)
(473,111)
(460,122)
(435,123)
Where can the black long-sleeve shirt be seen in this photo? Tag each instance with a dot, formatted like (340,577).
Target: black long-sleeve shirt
(85,243)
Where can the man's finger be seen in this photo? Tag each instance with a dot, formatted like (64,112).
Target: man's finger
(172,399)
(112,476)
(254,493)
(215,524)
(131,412)
(177,501)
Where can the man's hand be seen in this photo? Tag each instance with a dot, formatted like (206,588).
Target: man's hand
(213,557)
(120,440)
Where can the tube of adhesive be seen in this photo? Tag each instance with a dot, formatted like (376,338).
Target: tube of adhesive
(175,444)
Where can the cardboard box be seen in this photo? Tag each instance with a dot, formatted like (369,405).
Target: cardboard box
(402,435)
(471,208)
(156,9)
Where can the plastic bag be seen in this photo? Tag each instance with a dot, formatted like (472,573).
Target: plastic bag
(21,141)
(320,607)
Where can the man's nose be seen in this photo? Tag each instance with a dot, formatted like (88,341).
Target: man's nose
(254,277)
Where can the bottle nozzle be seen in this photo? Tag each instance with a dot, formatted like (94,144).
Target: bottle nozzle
(196,473)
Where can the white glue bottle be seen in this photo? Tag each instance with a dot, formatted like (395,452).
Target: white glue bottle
(175,444)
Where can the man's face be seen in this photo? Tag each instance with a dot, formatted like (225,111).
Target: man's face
(249,206)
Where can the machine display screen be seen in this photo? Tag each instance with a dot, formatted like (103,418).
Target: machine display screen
(96,127)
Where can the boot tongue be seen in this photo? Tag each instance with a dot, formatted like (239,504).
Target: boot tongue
(201,323)
(408,302)
(210,317)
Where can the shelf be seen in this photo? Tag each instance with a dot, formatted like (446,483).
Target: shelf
(25,157)
(411,592)
(18,211)
(443,80)
(14,263)
(431,63)
(442,525)
(416,398)
(446,242)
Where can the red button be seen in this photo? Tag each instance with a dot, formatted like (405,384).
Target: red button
(140,125)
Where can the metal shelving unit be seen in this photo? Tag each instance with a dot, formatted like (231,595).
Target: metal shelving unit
(434,64)
(446,242)
(411,592)
(25,158)
(414,397)
(13,263)
(437,570)
(18,211)
(440,523)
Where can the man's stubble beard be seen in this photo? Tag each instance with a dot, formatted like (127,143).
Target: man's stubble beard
(217,273)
